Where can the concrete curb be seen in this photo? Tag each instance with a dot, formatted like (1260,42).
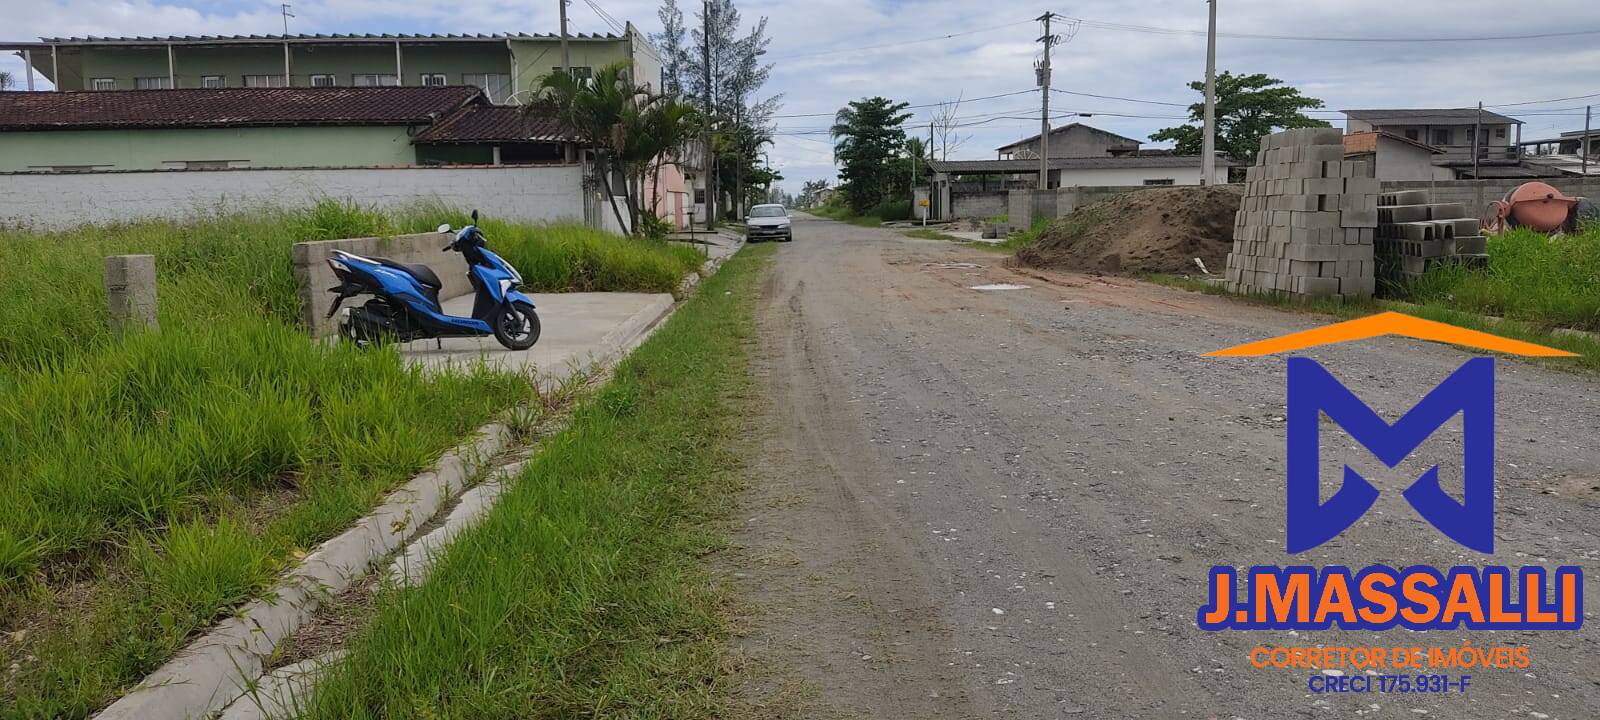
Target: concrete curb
(215,671)
(217,668)
(279,693)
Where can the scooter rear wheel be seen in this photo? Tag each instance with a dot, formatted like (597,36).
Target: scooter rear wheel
(516,326)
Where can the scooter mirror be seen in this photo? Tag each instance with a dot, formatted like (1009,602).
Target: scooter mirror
(445,228)
(474,217)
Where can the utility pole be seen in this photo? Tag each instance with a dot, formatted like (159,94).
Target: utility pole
(1044,96)
(711,157)
(1583,151)
(1477,129)
(566,55)
(286,15)
(1208,151)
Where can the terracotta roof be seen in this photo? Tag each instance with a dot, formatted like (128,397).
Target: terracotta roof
(494,123)
(231,107)
(319,37)
(1367,142)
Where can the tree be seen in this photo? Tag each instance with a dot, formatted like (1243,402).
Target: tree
(674,46)
(628,128)
(809,192)
(5,80)
(1248,107)
(945,138)
(737,74)
(867,138)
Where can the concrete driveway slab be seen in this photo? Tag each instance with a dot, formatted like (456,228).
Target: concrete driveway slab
(578,329)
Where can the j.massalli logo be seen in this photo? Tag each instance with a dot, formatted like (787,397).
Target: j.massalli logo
(1379,597)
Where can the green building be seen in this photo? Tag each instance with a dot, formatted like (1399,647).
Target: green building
(255,128)
(507,67)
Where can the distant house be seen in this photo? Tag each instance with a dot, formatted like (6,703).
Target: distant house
(978,188)
(247,128)
(1395,157)
(1072,141)
(1451,131)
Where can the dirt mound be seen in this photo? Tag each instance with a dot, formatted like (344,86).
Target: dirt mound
(1157,230)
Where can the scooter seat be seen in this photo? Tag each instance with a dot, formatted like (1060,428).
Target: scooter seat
(422,273)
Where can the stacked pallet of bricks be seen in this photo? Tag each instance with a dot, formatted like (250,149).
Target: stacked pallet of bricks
(1415,234)
(1307,222)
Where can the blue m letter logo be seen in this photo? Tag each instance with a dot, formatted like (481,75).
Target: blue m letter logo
(1314,391)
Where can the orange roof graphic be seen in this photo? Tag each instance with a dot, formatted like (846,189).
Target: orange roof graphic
(1389,323)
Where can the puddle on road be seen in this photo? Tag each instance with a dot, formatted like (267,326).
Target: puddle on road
(1000,286)
(953,266)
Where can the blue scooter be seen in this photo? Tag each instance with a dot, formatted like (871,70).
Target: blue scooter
(405,303)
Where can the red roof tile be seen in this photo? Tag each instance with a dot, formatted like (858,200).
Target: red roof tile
(494,123)
(231,107)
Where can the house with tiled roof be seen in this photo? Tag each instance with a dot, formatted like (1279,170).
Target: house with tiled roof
(254,128)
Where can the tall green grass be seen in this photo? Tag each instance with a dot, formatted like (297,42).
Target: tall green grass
(153,482)
(1552,281)
(582,594)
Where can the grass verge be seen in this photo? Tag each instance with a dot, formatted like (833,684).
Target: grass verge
(153,482)
(1587,347)
(582,593)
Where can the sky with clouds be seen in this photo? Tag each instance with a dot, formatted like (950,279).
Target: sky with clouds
(827,52)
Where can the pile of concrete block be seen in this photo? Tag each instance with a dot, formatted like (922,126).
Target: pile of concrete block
(1306,226)
(1415,234)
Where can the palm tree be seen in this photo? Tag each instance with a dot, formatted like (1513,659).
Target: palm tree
(628,127)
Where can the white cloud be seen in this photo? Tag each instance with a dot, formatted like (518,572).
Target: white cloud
(1100,61)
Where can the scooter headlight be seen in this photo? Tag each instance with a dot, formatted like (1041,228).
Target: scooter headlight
(505,287)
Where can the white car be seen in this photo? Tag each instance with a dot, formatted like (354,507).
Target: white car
(768,222)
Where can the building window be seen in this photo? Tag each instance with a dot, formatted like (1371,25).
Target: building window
(1160,181)
(1441,136)
(434,80)
(1500,133)
(496,85)
(214,81)
(103,84)
(1413,134)
(152,83)
(581,72)
(373,80)
(263,81)
(323,81)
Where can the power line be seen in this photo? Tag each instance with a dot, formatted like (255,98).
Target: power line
(915,107)
(860,48)
(1123,99)
(1321,38)
(606,17)
(1541,102)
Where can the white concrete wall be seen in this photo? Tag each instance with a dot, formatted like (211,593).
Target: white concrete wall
(47,201)
(1135,176)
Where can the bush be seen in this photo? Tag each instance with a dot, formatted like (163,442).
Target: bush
(1552,281)
(891,210)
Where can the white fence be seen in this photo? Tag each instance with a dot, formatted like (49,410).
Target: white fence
(56,200)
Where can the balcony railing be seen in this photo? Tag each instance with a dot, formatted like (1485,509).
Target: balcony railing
(1462,154)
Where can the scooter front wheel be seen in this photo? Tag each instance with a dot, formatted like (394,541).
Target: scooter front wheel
(516,326)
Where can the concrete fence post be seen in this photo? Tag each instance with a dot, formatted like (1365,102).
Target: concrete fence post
(131,292)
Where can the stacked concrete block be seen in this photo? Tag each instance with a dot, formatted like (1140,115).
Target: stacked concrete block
(1306,226)
(1415,234)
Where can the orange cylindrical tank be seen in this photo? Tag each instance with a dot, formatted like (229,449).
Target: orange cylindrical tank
(1539,206)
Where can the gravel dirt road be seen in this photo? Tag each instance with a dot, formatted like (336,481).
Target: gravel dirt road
(974,504)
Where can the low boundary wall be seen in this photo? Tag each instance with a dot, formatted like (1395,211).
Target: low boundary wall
(49,201)
(311,271)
